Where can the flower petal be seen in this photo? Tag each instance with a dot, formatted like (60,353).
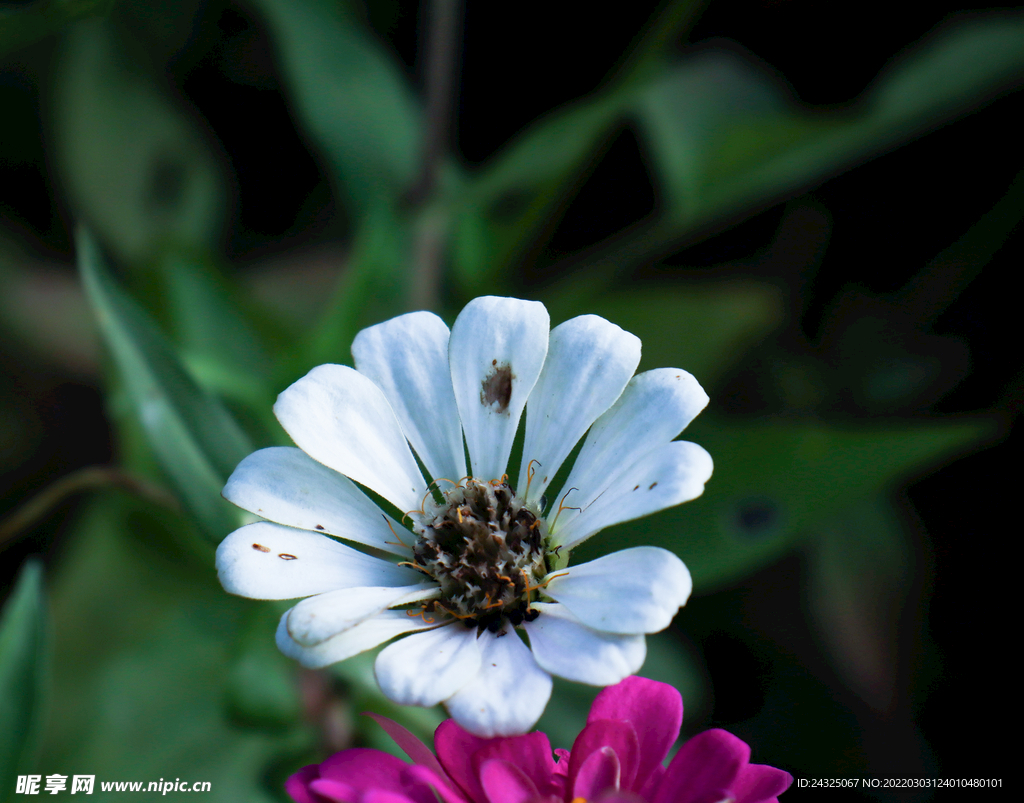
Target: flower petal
(407,358)
(589,362)
(286,485)
(268,561)
(370,771)
(564,647)
(759,783)
(429,667)
(417,752)
(655,710)
(530,753)
(496,352)
(636,590)
(671,474)
(620,738)
(599,772)
(363,636)
(318,618)
(508,694)
(455,747)
(653,409)
(297,785)
(503,781)
(708,762)
(340,418)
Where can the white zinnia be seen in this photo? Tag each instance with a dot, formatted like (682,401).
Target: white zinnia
(471,575)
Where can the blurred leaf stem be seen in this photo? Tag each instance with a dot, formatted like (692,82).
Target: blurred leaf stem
(89,478)
(431,234)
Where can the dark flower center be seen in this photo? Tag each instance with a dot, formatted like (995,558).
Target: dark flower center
(485,548)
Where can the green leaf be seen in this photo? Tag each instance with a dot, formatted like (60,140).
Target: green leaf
(698,327)
(349,95)
(502,210)
(726,138)
(145,645)
(195,440)
(25,25)
(207,319)
(775,480)
(372,287)
(24,675)
(133,164)
(862,586)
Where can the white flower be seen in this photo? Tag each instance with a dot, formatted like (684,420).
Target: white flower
(480,556)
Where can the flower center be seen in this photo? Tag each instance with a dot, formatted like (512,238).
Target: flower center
(485,547)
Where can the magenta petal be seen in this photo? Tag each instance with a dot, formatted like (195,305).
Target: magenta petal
(598,773)
(445,789)
(413,747)
(505,783)
(619,736)
(380,796)
(297,786)
(619,796)
(708,762)
(656,713)
(759,783)
(530,753)
(333,790)
(455,747)
(364,769)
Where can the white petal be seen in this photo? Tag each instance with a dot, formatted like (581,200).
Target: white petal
(508,694)
(340,418)
(653,409)
(429,667)
(364,636)
(268,561)
(636,590)
(318,618)
(407,358)
(286,485)
(564,647)
(589,363)
(670,475)
(496,353)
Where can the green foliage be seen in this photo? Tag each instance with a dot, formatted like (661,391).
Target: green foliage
(133,165)
(24,25)
(146,648)
(24,676)
(774,479)
(195,439)
(349,95)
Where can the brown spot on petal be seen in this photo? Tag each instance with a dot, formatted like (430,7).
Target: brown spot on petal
(286,556)
(319,526)
(496,389)
(651,486)
(260,548)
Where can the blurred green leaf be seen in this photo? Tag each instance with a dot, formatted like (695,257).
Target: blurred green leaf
(774,480)
(196,441)
(133,165)
(349,94)
(503,209)
(205,315)
(701,328)
(727,138)
(261,684)
(145,642)
(372,287)
(26,24)
(862,582)
(24,675)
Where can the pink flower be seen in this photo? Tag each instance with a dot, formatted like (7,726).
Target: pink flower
(617,758)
